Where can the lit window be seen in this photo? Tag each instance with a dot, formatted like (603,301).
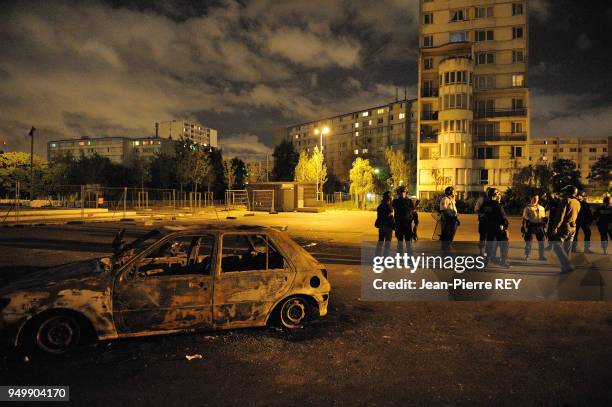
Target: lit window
(356,125)
(356,133)
(402,115)
(356,151)
(518,80)
(380,111)
(297,136)
(364,151)
(365,114)
(458,36)
(53,145)
(369,122)
(136,143)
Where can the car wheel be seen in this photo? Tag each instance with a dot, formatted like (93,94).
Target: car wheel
(294,312)
(57,334)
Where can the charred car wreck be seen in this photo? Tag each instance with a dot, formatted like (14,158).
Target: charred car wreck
(164,282)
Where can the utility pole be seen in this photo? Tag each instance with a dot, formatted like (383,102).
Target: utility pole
(31,134)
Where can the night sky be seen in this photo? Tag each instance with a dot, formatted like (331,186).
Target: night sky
(250,67)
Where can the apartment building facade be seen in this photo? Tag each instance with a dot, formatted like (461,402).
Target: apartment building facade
(118,149)
(177,129)
(584,151)
(473,103)
(365,133)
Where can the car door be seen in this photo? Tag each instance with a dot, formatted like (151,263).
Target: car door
(167,288)
(252,275)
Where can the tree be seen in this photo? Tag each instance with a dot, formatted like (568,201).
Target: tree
(216,176)
(255,172)
(565,173)
(539,177)
(240,173)
(15,166)
(361,180)
(163,171)
(302,170)
(285,161)
(318,167)
(398,167)
(200,166)
(526,182)
(229,173)
(138,170)
(601,173)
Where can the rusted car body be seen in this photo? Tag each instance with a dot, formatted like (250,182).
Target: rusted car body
(185,280)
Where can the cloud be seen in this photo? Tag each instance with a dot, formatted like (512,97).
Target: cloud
(244,146)
(310,50)
(74,69)
(540,9)
(569,114)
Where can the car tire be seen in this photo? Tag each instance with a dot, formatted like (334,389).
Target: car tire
(55,334)
(293,313)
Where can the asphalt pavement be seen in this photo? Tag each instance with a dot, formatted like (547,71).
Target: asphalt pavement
(363,353)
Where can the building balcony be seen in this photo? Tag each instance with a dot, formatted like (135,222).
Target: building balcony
(429,93)
(429,115)
(482,114)
(500,137)
(429,138)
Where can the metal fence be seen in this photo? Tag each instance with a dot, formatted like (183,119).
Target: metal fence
(113,199)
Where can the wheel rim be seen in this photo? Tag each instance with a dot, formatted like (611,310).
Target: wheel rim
(57,334)
(293,313)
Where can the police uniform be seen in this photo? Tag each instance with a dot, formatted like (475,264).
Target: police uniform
(534,217)
(406,221)
(482,230)
(496,222)
(603,220)
(564,228)
(583,222)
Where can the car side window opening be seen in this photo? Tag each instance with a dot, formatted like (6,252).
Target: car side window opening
(242,252)
(178,256)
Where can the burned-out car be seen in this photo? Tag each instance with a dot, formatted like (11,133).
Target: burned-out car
(168,281)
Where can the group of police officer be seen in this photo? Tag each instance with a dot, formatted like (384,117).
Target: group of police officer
(559,220)
(397,215)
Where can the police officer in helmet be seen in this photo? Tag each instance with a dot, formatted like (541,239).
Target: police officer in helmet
(406,220)
(496,221)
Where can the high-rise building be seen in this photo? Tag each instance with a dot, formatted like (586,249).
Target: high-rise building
(473,102)
(177,129)
(365,133)
(117,149)
(584,151)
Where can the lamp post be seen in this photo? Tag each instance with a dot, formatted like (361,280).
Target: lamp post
(31,134)
(321,132)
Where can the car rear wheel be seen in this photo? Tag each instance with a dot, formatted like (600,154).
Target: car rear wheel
(294,312)
(57,334)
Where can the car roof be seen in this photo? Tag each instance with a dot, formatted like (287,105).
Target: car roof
(164,230)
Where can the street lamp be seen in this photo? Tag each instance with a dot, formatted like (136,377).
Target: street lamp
(31,134)
(321,132)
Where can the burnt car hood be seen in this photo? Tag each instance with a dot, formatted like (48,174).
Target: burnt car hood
(80,274)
